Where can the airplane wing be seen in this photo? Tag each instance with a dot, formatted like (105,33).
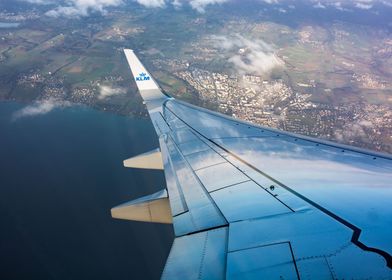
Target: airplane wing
(250,202)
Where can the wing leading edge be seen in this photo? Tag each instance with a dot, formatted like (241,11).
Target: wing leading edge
(251,202)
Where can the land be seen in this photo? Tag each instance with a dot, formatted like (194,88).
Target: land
(330,80)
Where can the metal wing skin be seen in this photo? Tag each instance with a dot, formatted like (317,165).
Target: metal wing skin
(250,202)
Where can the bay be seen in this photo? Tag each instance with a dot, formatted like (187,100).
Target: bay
(60,173)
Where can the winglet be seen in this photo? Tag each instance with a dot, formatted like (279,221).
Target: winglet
(148,88)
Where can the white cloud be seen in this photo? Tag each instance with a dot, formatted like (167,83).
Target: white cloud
(77,8)
(152,3)
(363,6)
(248,56)
(354,131)
(338,5)
(346,5)
(319,6)
(270,1)
(387,3)
(200,5)
(41,107)
(177,4)
(40,2)
(108,91)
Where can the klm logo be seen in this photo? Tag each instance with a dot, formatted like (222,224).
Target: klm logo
(142,77)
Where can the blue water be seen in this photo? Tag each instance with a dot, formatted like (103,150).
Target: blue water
(60,174)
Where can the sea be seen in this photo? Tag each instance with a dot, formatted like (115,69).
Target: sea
(60,174)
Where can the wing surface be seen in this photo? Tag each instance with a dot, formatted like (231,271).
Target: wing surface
(250,202)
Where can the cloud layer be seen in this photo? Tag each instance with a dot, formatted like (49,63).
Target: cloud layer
(152,3)
(354,131)
(200,5)
(77,8)
(40,108)
(40,2)
(363,6)
(108,91)
(347,5)
(248,56)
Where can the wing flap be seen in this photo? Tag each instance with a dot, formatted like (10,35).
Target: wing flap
(198,256)
(186,192)
(274,261)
